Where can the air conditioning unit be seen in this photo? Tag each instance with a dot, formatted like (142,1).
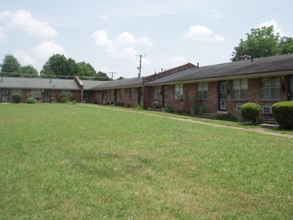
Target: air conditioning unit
(267,110)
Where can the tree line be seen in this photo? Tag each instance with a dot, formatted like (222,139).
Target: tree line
(58,66)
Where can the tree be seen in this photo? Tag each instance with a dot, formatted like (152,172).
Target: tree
(102,76)
(285,45)
(57,65)
(28,70)
(86,69)
(10,65)
(262,42)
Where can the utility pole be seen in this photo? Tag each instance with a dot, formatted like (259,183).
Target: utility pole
(139,67)
(112,73)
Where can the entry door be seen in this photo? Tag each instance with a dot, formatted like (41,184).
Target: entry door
(165,96)
(223,96)
(139,95)
(47,96)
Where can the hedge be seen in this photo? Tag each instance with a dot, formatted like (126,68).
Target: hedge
(283,114)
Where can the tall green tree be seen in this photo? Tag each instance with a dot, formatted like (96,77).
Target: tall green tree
(86,69)
(58,65)
(28,70)
(102,76)
(262,42)
(285,45)
(10,65)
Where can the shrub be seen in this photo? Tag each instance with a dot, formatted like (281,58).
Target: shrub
(31,100)
(283,114)
(16,98)
(65,98)
(250,112)
(168,109)
(138,107)
(200,109)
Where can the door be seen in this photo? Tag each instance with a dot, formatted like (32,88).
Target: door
(222,96)
(165,96)
(290,88)
(5,95)
(86,96)
(139,95)
(47,96)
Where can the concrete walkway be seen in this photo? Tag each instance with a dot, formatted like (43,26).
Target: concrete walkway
(264,131)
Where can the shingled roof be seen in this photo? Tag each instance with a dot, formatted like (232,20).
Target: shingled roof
(238,69)
(120,83)
(37,83)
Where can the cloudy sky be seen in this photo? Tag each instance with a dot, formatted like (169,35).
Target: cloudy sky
(110,34)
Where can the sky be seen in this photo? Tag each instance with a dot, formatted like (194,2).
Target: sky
(110,35)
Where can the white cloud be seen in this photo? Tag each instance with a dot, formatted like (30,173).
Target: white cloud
(24,58)
(48,48)
(101,38)
(274,23)
(202,33)
(123,46)
(29,24)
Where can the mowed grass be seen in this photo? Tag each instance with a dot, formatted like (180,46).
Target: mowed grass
(63,161)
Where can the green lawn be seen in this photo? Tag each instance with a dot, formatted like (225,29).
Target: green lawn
(81,161)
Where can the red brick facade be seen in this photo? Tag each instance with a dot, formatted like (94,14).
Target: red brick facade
(211,104)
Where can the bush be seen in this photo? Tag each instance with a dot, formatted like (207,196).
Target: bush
(16,98)
(283,114)
(31,100)
(138,107)
(250,112)
(65,98)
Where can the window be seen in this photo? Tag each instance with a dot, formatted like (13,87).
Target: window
(202,90)
(131,93)
(240,89)
(112,93)
(121,93)
(5,95)
(270,88)
(157,93)
(37,94)
(178,92)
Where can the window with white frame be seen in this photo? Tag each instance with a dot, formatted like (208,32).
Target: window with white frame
(240,89)
(157,93)
(202,90)
(270,88)
(131,93)
(178,92)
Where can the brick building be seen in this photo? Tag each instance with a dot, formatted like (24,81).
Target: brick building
(220,88)
(223,88)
